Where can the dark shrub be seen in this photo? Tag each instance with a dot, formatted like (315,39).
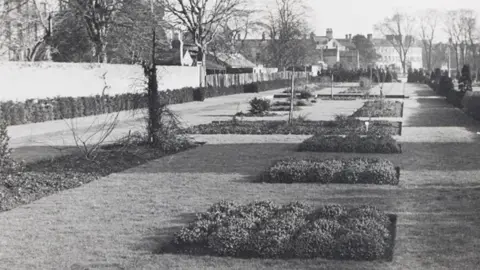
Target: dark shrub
(348,171)
(287,231)
(259,106)
(251,88)
(351,143)
(380,108)
(199,94)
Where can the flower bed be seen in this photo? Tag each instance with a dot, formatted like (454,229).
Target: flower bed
(351,143)
(345,171)
(263,229)
(380,108)
(47,177)
(298,128)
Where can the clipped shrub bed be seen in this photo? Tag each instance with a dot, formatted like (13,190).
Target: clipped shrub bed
(351,143)
(471,104)
(341,98)
(298,128)
(263,229)
(56,108)
(380,108)
(345,171)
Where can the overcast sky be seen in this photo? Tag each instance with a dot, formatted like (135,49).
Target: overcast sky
(359,16)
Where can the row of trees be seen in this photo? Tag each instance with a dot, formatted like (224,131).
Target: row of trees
(426,27)
(120,30)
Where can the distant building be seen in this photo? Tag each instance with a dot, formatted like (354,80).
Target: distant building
(337,51)
(390,56)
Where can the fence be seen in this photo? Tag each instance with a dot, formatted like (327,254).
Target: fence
(227,80)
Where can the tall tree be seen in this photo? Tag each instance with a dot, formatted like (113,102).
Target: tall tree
(203,19)
(287,27)
(428,25)
(399,30)
(456,32)
(98,17)
(26,29)
(366,49)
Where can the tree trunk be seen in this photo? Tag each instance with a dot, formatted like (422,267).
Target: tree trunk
(101,52)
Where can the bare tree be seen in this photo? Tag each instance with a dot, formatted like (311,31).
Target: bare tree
(203,19)
(428,24)
(399,30)
(27,28)
(288,45)
(456,32)
(469,24)
(98,16)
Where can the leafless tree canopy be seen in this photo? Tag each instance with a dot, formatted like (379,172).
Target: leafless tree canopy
(400,28)
(428,25)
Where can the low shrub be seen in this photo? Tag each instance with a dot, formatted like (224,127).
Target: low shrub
(251,88)
(299,128)
(351,143)
(380,108)
(347,171)
(365,83)
(8,165)
(471,104)
(265,230)
(259,106)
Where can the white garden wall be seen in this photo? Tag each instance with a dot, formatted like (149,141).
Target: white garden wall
(23,80)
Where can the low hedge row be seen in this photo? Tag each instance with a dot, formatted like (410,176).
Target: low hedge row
(471,104)
(352,143)
(380,108)
(297,128)
(344,171)
(263,229)
(41,110)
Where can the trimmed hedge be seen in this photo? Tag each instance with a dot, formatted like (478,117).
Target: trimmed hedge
(345,171)
(380,108)
(352,143)
(297,128)
(471,104)
(263,229)
(41,110)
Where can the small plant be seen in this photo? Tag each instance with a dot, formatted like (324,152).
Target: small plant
(7,164)
(259,106)
(365,83)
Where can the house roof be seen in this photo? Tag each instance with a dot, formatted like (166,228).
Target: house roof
(347,43)
(170,57)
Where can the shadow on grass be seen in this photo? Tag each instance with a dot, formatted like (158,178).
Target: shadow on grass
(252,159)
(438,113)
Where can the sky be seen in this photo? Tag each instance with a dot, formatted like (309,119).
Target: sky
(359,16)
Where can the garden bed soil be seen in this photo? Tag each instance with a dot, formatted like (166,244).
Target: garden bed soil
(299,128)
(47,177)
(376,109)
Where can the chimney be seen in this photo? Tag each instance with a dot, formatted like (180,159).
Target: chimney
(346,36)
(350,37)
(176,43)
(369,36)
(263,36)
(329,33)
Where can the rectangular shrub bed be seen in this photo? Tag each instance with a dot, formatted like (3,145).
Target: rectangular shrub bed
(263,229)
(336,171)
(351,143)
(298,128)
(380,108)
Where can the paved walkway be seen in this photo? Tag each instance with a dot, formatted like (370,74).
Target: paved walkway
(116,222)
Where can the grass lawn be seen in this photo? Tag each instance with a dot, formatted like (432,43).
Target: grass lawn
(122,220)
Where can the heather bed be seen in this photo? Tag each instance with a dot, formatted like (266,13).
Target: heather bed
(332,171)
(297,128)
(351,143)
(380,108)
(263,229)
